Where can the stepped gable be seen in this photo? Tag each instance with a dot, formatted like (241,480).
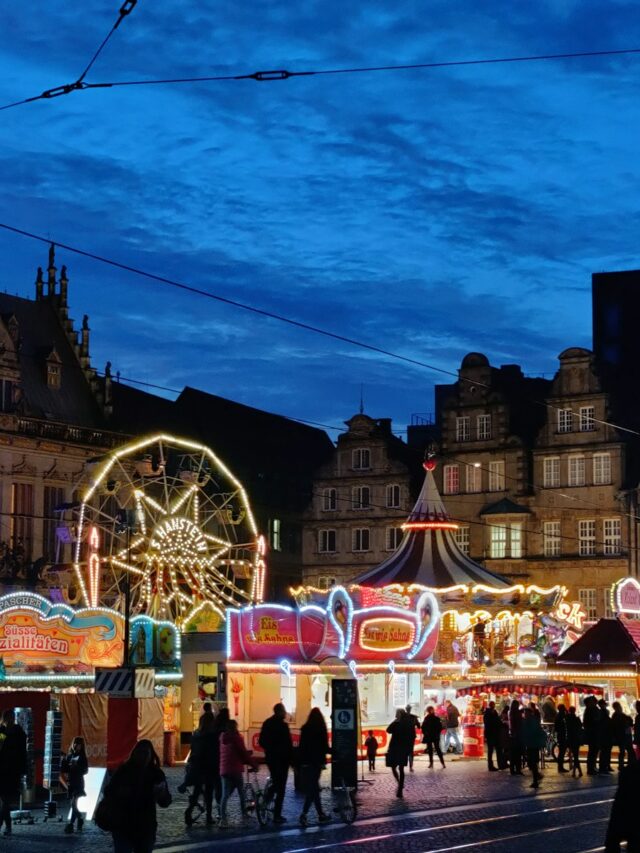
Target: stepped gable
(428,554)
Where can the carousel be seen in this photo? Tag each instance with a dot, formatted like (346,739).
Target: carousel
(425,624)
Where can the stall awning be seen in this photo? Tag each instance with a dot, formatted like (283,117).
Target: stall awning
(541,687)
(608,643)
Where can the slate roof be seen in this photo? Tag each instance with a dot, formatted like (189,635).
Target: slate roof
(609,642)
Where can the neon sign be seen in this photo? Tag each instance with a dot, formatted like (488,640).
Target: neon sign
(384,634)
(572,613)
(625,595)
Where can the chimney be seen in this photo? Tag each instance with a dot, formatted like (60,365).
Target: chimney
(51,281)
(39,284)
(64,282)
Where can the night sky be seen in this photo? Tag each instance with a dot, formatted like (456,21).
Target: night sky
(428,212)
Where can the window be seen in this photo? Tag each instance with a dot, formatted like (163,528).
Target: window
(589,600)
(496,476)
(587,415)
(463,429)
(565,420)
(516,541)
(601,469)
(483,427)
(608,612)
(474,478)
(275,534)
(327,541)
(461,536)
(587,538)
(451,480)
(612,536)
(6,395)
(325,582)
(361,459)
(393,496)
(288,693)
(22,518)
(393,538)
(53,497)
(576,471)
(551,539)
(361,539)
(54,374)
(551,472)
(498,541)
(329,500)
(361,497)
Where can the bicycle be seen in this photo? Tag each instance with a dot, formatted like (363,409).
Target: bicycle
(258,799)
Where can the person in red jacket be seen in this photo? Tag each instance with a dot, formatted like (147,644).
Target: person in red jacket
(233,756)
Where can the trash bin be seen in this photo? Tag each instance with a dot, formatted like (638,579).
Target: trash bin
(169,749)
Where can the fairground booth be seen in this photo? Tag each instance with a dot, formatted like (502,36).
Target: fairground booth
(424,626)
(160,543)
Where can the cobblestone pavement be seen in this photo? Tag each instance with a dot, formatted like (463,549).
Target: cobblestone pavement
(459,807)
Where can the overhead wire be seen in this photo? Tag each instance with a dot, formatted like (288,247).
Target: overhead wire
(281,318)
(284,74)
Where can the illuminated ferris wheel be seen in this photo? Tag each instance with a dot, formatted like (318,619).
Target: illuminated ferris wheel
(165,517)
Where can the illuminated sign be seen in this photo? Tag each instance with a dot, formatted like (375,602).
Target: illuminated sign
(178,536)
(625,596)
(573,613)
(388,635)
(94,566)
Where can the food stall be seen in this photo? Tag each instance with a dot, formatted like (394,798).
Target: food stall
(411,631)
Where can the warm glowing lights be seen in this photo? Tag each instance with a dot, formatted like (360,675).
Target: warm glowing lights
(429,525)
(94,566)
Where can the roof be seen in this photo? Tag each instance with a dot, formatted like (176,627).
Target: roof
(608,642)
(428,553)
(40,332)
(505,506)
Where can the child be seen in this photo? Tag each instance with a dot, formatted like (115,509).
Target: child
(372,747)
(73,769)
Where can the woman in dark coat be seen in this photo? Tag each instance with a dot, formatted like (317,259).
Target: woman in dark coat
(312,756)
(574,739)
(515,738)
(13,765)
(74,767)
(136,788)
(560,727)
(402,734)
(622,731)
(205,767)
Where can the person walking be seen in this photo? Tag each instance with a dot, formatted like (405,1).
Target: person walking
(623,823)
(73,768)
(401,743)
(205,767)
(13,765)
(533,739)
(492,726)
(622,735)
(135,789)
(605,738)
(312,755)
(560,728)
(636,729)
(574,739)
(275,740)
(431,731)
(233,757)
(452,728)
(515,739)
(416,728)
(371,745)
(592,728)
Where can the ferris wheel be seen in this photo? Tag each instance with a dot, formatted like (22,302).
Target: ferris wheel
(165,517)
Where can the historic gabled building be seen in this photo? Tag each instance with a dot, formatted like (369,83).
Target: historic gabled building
(361,496)
(57,412)
(535,477)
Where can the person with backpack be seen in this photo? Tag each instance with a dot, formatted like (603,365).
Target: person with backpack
(431,731)
(73,768)
(453,728)
(128,808)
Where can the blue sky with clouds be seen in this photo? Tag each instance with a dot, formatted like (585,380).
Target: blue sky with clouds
(428,212)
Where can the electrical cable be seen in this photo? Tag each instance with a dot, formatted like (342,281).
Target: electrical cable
(262,312)
(282,74)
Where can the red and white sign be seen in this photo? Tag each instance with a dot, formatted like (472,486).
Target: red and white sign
(626,596)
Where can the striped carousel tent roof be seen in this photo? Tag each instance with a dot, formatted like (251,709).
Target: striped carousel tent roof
(428,553)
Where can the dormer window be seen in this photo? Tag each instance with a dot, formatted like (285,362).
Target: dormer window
(54,370)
